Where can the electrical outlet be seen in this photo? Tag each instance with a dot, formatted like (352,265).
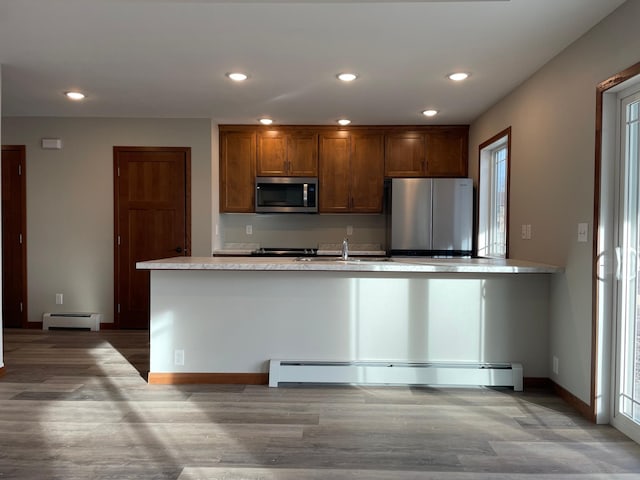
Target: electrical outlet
(59,299)
(556,365)
(525,232)
(249,229)
(349,229)
(178,357)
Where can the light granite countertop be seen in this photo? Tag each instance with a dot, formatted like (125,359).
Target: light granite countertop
(319,264)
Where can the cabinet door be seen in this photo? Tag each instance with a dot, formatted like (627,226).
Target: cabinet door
(271,156)
(447,153)
(302,154)
(405,155)
(367,173)
(237,171)
(333,178)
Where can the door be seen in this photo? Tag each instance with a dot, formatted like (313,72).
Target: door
(152,221)
(626,414)
(14,240)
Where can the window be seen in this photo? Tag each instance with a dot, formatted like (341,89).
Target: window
(493,196)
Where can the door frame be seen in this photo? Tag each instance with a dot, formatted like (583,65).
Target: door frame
(116,207)
(600,409)
(23,227)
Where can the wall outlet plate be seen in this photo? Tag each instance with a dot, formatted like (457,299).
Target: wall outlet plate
(178,357)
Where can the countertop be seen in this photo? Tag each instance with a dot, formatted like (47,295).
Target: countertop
(396,264)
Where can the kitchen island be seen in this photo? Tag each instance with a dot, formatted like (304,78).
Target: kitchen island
(224,319)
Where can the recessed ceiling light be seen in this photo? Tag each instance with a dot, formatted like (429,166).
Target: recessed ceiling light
(75,95)
(344,122)
(430,113)
(347,77)
(266,121)
(458,76)
(237,76)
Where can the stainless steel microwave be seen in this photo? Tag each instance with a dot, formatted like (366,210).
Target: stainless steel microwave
(286,195)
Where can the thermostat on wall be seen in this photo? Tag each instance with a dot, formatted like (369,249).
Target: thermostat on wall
(52,143)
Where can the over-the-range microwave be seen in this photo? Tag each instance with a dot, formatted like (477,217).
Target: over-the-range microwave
(286,195)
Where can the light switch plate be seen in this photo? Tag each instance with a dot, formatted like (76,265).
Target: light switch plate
(583,232)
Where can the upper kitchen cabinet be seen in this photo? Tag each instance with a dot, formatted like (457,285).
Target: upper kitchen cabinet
(447,152)
(334,173)
(237,171)
(429,152)
(405,155)
(367,173)
(351,172)
(284,153)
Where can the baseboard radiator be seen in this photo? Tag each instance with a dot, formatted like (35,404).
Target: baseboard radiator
(390,373)
(80,321)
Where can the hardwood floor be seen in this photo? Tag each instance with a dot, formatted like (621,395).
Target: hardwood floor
(74,405)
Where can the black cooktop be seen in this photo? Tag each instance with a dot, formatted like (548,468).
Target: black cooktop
(284,252)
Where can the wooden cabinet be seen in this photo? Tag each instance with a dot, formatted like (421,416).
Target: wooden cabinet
(367,173)
(334,173)
(237,171)
(287,154)
(447,153)
(433,152)
(350,163)
(351,173)
(404,155)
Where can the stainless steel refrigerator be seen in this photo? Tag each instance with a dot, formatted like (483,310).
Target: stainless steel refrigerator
(431,216)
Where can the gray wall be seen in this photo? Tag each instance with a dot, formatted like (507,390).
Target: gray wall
(552,116)
(70,201)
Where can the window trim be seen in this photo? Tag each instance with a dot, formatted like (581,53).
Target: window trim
(501,138)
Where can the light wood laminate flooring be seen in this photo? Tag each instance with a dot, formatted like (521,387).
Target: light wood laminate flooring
(75,405)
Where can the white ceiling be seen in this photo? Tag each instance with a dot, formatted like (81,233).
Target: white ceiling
(168,58)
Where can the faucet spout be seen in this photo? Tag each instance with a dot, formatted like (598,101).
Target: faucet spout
(345,249)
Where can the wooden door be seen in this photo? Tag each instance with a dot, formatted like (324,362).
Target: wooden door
(237,172)
(447,153)
(334,173)
(405,155)
(14,240)
(302,154)
(152,221)
(367,173)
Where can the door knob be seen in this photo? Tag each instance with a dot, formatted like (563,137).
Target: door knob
(179,249)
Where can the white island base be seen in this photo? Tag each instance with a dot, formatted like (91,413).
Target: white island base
(224,325)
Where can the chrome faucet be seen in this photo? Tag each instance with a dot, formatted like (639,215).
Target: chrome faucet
(345,249)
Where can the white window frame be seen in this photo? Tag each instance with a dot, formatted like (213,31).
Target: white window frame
(493,226)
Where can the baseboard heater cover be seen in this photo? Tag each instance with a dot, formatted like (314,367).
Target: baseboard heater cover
(84,321)
(397,373)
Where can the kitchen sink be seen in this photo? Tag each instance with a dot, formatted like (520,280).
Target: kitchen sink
(340,260)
